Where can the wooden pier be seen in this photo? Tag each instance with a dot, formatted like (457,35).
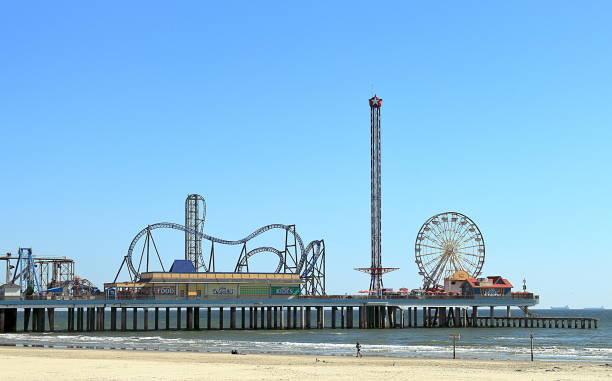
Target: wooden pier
(282,314)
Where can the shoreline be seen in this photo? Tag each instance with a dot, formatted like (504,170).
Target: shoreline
(365,354)
(18,363)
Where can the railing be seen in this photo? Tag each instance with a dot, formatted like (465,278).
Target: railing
(514,296)
(520,296)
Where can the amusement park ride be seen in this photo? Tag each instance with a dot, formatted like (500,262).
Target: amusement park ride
(447,243)
(308,261)
(45,275)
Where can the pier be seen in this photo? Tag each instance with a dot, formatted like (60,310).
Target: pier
(329,312)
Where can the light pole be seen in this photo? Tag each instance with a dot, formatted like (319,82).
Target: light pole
(531,339)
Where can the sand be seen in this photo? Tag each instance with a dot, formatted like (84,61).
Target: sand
(83,364)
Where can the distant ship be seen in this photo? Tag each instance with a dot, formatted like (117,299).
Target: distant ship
(595,308)
(560,308)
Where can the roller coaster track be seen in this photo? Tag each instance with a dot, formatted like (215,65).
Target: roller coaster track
(308,266)
(264,249)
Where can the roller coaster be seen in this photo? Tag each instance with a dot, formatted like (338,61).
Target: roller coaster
(293,257)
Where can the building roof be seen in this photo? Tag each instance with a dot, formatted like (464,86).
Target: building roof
(495,281)
(182,266)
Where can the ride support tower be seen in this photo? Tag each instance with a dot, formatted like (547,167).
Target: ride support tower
(375,270)
(195,214)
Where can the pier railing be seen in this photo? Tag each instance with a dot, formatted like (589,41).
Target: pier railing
(518,296)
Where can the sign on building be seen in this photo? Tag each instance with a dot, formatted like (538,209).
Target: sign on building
(285,290)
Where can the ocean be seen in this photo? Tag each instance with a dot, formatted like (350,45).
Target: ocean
(475,343)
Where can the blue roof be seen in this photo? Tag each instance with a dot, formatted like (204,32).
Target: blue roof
(182,266)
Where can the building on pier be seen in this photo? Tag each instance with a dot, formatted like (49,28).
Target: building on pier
(461,284)
(489,286)
(229,285)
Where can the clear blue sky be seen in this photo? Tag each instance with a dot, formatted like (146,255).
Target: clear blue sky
(111,113)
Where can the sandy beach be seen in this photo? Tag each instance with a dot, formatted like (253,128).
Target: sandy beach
(73,364)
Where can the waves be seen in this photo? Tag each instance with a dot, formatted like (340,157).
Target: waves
(502,348)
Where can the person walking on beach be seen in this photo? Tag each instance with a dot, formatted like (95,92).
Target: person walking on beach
(358,347)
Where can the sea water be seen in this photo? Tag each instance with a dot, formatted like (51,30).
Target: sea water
(475,343)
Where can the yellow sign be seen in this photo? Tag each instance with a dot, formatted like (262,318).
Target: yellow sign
(460,275)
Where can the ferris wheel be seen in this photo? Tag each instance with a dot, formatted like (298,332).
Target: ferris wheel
(448,242)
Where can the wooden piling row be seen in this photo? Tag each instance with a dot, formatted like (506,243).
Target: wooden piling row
(284,317)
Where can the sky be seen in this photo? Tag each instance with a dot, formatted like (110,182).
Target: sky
(111,113)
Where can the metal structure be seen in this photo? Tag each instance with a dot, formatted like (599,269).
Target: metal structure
(25,272)
(43,274)
(54,272)
(195,215)
(376,270)
(293,256)
(446,243)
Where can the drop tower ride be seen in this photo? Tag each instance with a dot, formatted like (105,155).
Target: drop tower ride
(375,270)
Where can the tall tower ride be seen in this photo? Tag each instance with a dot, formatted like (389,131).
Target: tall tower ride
(375,270)
(376,282)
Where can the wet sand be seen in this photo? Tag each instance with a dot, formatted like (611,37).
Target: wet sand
(82,364)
